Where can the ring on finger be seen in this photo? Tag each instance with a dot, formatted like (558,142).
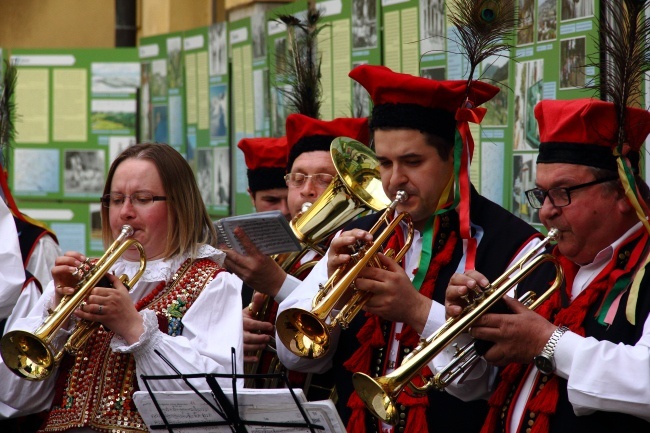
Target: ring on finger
(82,306)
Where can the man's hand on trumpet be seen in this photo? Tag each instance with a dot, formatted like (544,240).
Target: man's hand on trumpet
(394,297)
(257,334)
(517,337)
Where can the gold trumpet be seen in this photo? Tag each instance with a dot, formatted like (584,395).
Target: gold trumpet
(380,394)
(34,356)
(307,333)
(355,189)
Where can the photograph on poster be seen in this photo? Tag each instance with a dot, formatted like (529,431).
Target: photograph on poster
(218,58)
(523,174)
(96,242)
(118,143)
(547,20)
(529,82)
(115,77)
(364,24)
(360,97)
(145,102)
(84,171)
(526,25)
(279,110)
(572,63)
(258,28)
(432,26)
(437,73)
(175,67)
(204,174)
(159,78)
(573,9)
(36,171)
(175,120)
(280,51)
(116,115)
(160,126)
(218,110)
(222,176)
(495,72)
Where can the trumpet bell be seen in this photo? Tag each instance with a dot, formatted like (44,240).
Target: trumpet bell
(27,355)
(356,189)
(303,333)
(374,395)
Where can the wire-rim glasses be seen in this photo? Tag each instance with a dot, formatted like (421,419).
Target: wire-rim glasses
(296,180)
(560,197)
(139,199)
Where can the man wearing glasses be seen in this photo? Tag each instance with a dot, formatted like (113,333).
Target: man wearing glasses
(310,170)
(580,361)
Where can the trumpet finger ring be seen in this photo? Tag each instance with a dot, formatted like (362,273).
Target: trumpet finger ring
(82,306)
(100,309)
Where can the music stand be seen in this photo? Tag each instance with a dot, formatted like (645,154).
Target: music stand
(222,405)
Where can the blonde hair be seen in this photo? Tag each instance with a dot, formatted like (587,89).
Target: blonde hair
(189,225)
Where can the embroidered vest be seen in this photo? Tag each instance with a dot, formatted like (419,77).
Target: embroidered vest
(96,388)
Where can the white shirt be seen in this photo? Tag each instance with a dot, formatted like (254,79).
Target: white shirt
(12,273)
(212,325)
(601,375)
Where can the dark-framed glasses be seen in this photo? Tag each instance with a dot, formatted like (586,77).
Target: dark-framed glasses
(559,197)
(296,180)
(139,199)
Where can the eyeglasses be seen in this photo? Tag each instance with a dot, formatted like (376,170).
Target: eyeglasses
(559,197)
(139,199)
(296,180)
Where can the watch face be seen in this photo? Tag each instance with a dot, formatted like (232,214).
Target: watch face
(544,364)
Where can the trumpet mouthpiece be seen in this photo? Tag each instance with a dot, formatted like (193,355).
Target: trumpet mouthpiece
(401,196)
(127,231)
(553,233)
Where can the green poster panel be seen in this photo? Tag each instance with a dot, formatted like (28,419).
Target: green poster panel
(554,42)
(77,225)
(400,38)
(240,39)
(206,101)
(349,37)
(161,59)
(76,110)
(277,43)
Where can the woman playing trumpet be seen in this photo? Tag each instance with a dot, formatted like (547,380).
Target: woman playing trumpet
(180,306)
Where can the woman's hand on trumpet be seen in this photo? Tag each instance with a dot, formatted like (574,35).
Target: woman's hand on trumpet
(113,308)
(63,275)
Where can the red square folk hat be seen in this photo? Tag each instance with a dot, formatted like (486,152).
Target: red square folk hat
(586,132)
(266,161)
(306,134)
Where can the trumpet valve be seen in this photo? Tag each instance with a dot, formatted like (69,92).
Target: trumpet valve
(81,270)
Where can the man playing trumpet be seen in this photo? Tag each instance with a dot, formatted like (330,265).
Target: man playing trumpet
(415,122)
(579,362)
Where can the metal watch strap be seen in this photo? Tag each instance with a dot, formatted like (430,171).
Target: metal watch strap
(549,348)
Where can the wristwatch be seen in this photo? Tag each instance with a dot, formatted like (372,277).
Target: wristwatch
(545,361)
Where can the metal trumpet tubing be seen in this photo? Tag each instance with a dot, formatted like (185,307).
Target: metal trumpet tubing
(380,394)
(34,356)
(308,333)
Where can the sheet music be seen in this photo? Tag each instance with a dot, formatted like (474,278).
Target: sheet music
(268,405)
